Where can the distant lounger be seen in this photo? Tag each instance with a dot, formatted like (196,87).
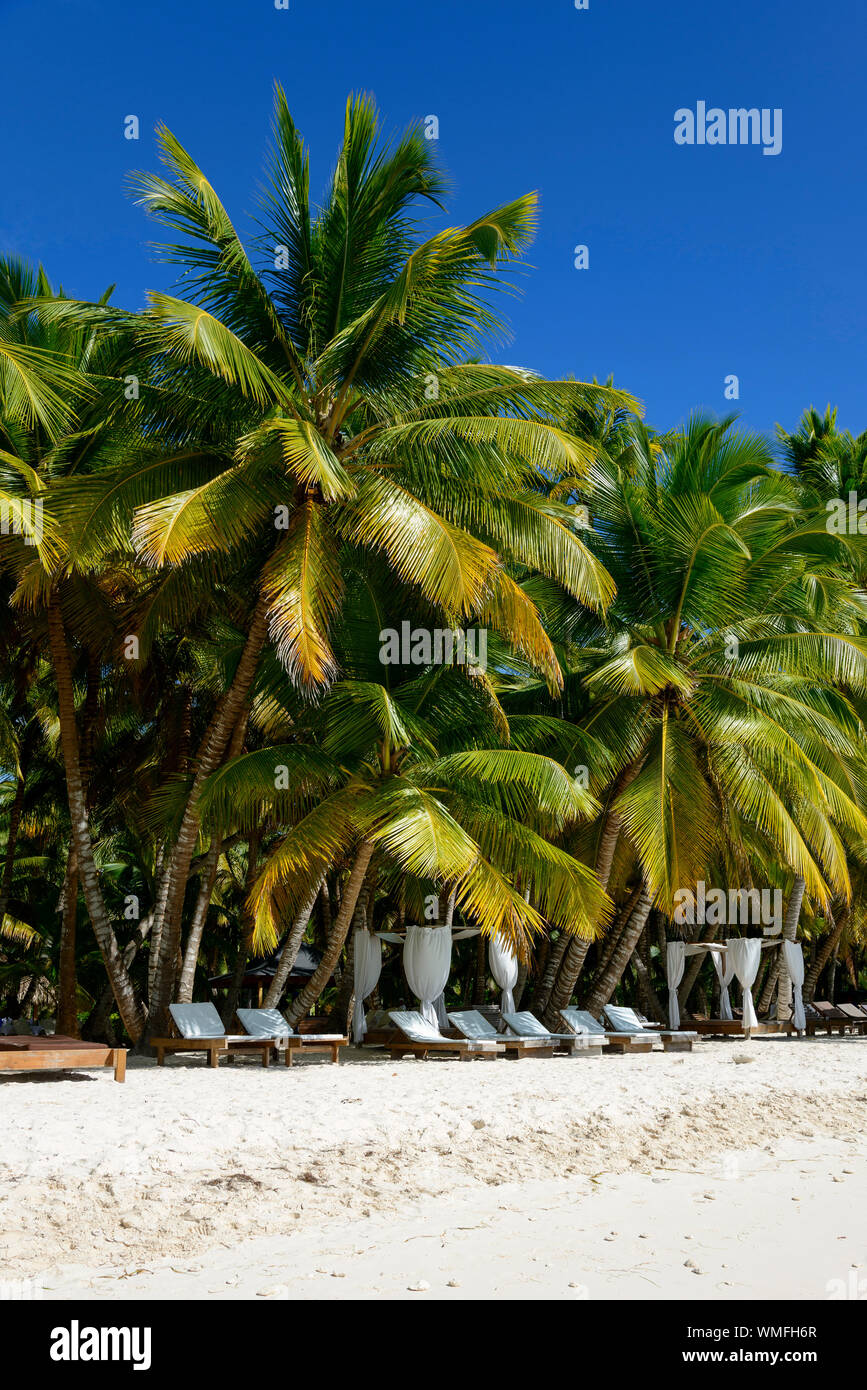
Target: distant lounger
(526,1025)
(477,1028)
(270,1023)
(855,1016)
(23,1052)
(199,1028)
(627,1021)
(421,1038)
(582,1022)
(823,1014)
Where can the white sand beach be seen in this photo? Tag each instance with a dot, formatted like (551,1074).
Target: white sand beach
(662,1176)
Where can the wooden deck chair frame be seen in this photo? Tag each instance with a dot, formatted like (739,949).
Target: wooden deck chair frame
(58,1053)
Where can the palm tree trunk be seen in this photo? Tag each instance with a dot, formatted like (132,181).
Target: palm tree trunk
(607,981)
(572,963)
(341,1011)
(790,932)
(67,987)
(832,974)
(829,946)
(650,1002)
(165,940)
(554,960)
(314,987)
(130,1009)
(96,1026)
(709,932)
(233,993)
(289,954)
(187,977)
(11,845)
(481,972)
(245,925)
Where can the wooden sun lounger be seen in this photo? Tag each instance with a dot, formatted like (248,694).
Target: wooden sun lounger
(265,1025)
(199,1028)
(215,1047)
(855,1016)
(523,1023)
(455,1046)
(476,1028)
(58,1053)
(734,1027)
(823,1014)
(582,1023)
(635,1025)
(428,1040)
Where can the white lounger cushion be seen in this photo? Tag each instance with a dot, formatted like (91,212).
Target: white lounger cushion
(584,1022)
(625,1020)
(526,1025)
(197,1020)
(475,1026)
(418,1030)
(265,1023)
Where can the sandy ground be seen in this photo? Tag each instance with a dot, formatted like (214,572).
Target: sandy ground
(703,1175)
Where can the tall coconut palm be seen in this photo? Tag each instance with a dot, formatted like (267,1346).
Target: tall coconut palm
(61,385)
(715,675)
(366,780)
(358,421)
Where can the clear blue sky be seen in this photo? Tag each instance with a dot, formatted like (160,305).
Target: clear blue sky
(704,261)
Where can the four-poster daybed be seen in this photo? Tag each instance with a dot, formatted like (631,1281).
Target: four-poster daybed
(737,958)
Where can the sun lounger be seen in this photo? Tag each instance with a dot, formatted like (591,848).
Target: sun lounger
(581,1021)
(823,1014)
(617,1042)
(477,1028)
(24,1052)
(270,1023)
(855,1016)
(420,1038)
(624,1020)
(526,1025)
(199,1028)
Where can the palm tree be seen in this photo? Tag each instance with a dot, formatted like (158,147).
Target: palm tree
(334,410)
(714,678)
(60,387)
(398,785)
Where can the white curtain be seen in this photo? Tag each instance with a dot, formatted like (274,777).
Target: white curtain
(427,958)
(504,968)
(745,953)
(368,967)
(724,966)
(793,957)
(675,964)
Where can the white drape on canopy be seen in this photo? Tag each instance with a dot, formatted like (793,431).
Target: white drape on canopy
(504,968)
(368,967)
(725,970)
(793,957)
(427,958)
(745,952)
(675,964)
